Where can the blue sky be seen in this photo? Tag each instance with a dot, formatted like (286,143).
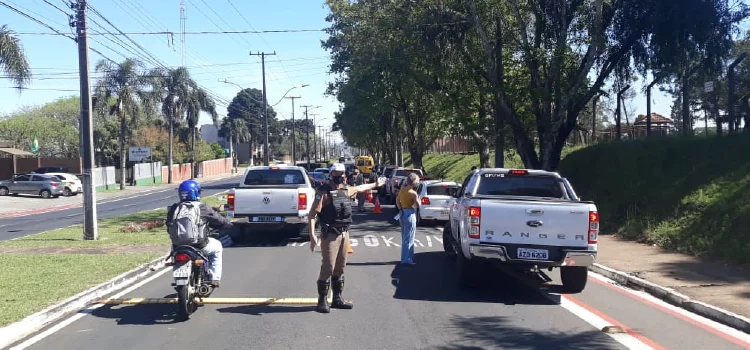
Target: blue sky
(299,57)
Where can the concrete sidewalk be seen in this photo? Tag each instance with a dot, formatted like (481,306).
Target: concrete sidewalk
(721,285)
(21,205)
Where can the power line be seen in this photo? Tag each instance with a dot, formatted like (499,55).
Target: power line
(36,20)
(198,33)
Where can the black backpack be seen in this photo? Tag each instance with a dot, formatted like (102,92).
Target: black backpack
(337,212)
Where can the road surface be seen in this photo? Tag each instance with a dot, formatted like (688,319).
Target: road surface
(25,225)
(395,308)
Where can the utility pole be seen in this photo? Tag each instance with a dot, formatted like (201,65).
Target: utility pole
(265,105)
(320,141)
(593,118)
(90,231)
(315,136)
(294,126)
(307,133)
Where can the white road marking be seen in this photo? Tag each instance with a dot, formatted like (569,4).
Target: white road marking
(389,241)
(625,339)
(57,327)
(371,241)
(416,241)
(698,318)
(429,241)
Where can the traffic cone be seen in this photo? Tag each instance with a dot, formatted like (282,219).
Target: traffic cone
(377,205)
(349,249)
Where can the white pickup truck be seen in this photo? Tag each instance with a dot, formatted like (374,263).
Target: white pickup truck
(527,219)
(272,198)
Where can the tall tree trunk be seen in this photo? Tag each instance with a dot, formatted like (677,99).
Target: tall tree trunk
(171,149)
(123,152)
(194,163)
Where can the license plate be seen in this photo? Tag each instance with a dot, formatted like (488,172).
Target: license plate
(267,219)
(182,271)
(230,214)
(533,254)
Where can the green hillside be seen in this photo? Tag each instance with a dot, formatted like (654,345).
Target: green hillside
(687,194)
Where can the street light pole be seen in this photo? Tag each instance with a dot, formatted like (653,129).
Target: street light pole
(294,127)
(307,133)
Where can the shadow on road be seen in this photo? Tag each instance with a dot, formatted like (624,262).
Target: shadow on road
(501,332)
(144,314)
(433,278)
(259,310)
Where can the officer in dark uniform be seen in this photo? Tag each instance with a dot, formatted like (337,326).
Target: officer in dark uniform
(333,241)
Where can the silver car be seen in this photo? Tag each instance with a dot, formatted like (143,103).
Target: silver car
(42,185)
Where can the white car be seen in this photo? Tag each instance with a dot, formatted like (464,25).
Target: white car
(436,196)
(73,184)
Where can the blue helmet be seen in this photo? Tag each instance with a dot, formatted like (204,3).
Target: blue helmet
(190,190)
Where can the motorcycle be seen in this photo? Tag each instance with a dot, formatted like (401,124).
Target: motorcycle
(190,273)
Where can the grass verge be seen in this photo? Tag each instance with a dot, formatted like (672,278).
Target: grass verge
(686,194)
(45,268)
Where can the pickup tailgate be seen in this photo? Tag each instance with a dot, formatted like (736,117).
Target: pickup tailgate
(255,201)
(543,223)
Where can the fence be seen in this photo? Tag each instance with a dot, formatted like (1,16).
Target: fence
(215,167)
(179,172)
(146,173)
(104,178)
(24,165)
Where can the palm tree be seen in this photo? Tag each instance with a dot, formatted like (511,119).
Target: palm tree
(183,99)
(127,91)
(12,58)
(236,131)
(198,101)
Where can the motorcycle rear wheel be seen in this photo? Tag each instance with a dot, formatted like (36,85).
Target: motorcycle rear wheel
(185,303)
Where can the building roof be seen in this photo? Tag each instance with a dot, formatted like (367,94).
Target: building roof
(655,119)
(15,152)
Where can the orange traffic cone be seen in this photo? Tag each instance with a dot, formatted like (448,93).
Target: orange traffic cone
(377,205)
(349,249)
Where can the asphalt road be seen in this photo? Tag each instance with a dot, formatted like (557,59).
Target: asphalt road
(395,308)
(25,225)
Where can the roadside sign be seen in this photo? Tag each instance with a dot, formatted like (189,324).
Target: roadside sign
(708,86)
(138,154)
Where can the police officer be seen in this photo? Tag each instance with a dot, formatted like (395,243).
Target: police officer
(333,240)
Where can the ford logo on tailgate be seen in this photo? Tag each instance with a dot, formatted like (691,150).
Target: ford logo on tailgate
(534,223)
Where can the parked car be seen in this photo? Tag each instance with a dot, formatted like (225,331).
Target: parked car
(394,182)
(73,185)
(51,169)
(322,170)
(41,185)
(436,197)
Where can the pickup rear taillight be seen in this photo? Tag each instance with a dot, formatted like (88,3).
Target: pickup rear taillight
(474,221)
(302,201)
(230,202)
(593,227)
(425,201)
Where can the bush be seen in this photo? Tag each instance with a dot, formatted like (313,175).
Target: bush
(687,194)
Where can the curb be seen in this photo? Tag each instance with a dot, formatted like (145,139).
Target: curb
(673,297)
(33,323)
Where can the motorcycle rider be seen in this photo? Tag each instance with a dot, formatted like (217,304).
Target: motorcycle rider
(190,193)
(333,206)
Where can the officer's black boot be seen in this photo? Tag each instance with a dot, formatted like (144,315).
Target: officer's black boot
(323,288)
(338,300)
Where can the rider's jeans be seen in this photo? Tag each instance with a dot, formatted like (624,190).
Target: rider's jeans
(214,250)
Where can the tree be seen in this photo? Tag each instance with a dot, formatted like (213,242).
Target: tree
(247,106)
(198,101)
(13,59)
(55,124)
(127,91)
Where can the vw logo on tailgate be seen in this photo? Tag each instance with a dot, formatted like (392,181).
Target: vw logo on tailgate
(534,223)
(266,200)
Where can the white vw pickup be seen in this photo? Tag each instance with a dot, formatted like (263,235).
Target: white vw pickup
(530,219)
(272,198)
